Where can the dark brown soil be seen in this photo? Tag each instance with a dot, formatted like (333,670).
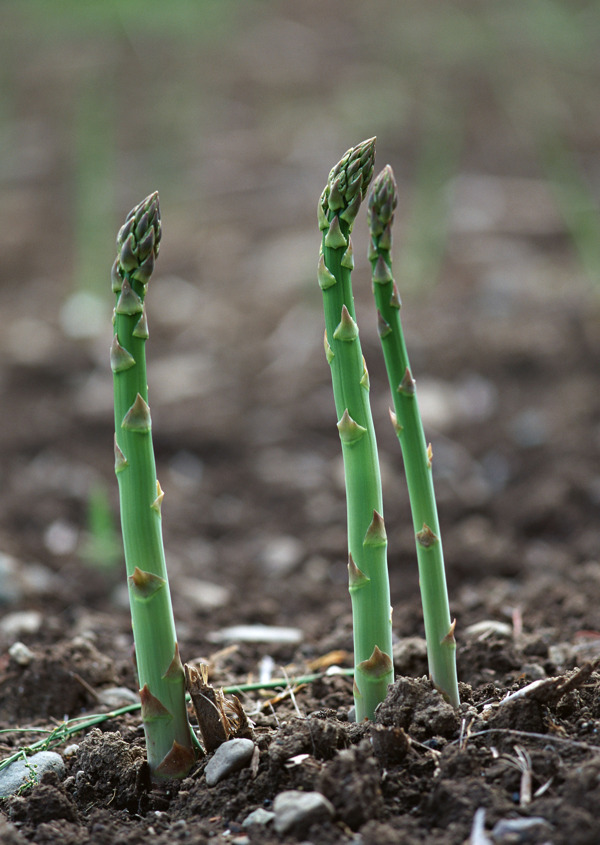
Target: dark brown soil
(505,349)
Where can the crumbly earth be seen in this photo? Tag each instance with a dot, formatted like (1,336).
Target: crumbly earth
(505,350)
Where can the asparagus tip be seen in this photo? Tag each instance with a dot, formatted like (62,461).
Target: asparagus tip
(348,183)
(383,199)
(138,241)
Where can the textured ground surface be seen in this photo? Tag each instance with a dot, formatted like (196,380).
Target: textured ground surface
(238,137)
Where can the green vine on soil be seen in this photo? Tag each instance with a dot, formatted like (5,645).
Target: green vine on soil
(62,732)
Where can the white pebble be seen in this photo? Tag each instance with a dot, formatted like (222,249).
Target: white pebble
(21,654)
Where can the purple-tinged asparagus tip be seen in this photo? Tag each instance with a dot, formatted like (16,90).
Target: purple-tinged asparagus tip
(383,199)
(138,241)
(348,183)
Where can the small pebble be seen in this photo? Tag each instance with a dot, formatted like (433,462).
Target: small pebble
(203,595)
(489,626)
(281,555)
(10,590)
(259,817)
(21,622)
(229,757)
(61,537)
(519,830)
(118,697)
(71,750)
(22,655)
(18,773)
(297,811)
(257,634)
(19,580)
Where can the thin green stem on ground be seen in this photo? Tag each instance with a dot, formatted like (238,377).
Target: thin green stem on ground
(61,733)
(417,455)
(367,543)
(162,685)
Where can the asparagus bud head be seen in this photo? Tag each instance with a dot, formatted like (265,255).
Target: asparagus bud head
(383,200)
(138,242)
(347,184)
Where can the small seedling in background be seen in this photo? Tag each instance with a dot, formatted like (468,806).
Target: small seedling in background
(575,202)
(367,542)
(417,455)
(169,741)
(101,547)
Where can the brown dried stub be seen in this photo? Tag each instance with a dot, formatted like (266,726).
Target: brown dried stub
(219,718)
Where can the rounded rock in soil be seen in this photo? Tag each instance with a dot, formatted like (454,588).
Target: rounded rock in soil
(297,811)
(229,757)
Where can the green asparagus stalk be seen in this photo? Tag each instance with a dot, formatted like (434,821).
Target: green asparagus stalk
(367,543)
(417,455)
(169,740)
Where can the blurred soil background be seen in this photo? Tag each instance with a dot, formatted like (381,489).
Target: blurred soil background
(235,112)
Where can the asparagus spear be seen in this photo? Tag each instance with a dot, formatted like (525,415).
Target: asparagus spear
(162,685)
(367,543)
(417,456)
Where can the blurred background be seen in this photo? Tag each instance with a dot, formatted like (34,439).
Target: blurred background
(235,112)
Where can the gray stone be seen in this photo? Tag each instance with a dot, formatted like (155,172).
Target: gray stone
(259,817)
(297,811)
(118,697)
(20,772)
(257,634)
(520,830)
(22,655)
(229,757)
